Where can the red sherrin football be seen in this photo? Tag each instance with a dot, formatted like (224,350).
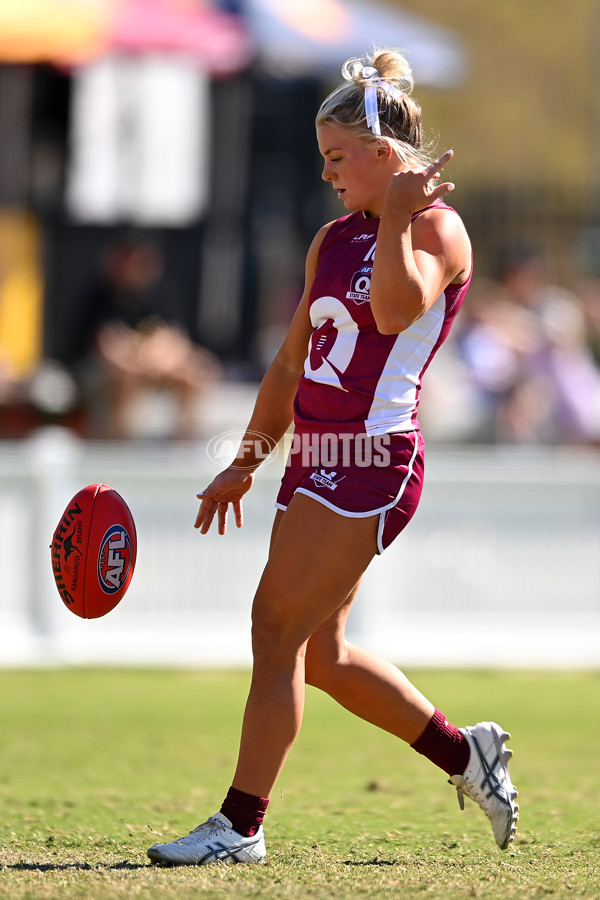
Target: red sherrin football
(94,549)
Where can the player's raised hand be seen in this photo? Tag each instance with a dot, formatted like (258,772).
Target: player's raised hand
(227,488)
(413,189)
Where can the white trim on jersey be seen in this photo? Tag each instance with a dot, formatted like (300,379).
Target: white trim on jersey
(395,396)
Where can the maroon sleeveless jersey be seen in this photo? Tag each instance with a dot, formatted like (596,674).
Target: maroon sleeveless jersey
(355,379)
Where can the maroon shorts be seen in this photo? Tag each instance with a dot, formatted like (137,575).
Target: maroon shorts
(360,476)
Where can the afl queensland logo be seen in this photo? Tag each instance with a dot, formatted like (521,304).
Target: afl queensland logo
(360,285)
(114,559)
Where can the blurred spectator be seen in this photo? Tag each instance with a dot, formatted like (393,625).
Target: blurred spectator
(570,371)
(524,343)
(138,342)
(587,285)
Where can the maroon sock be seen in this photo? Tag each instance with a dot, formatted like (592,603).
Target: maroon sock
(444,745)
(245,811)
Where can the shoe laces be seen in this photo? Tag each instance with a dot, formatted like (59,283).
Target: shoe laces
(211,827)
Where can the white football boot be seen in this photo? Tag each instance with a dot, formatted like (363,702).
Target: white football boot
(213,841)
(486,779)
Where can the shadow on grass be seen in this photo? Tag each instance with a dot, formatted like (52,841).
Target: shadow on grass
(76,866)
(370,862)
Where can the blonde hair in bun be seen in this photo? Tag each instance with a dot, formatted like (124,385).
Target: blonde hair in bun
(399,114)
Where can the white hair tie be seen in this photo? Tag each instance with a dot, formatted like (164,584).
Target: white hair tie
(375,81)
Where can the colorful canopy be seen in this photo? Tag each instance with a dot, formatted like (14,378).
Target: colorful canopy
(304,38)
(288,38)
(69,31)
(78,31)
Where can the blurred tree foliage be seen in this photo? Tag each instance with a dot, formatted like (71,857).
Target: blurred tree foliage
(529,108)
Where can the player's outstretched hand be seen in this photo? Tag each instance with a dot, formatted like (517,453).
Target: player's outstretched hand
(413,189)
(228,487)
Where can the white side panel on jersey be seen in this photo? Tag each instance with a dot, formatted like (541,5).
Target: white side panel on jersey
(396,390)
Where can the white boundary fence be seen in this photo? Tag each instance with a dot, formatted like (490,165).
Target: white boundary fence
(500,567)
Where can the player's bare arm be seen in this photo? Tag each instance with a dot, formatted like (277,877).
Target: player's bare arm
(416,259)
(271,417)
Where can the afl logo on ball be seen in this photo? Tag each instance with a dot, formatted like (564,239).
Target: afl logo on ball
(114,559)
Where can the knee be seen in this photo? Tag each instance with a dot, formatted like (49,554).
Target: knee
(323,659)
(277,638)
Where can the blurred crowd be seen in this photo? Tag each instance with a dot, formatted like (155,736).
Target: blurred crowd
(523,363)
(521,367)
(131,345)
(135,342)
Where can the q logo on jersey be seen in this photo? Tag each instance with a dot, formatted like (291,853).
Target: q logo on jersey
(114,559)
(360,285)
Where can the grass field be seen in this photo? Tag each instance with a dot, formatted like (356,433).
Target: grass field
(95,765)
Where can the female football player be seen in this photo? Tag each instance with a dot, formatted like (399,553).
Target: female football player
(383,285)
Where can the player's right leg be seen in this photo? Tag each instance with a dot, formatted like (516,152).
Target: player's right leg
(317,557)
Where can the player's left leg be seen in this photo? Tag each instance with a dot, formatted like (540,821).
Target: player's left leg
(369,686)
(363,682)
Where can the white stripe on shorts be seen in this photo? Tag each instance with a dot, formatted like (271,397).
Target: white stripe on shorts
(380,547)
